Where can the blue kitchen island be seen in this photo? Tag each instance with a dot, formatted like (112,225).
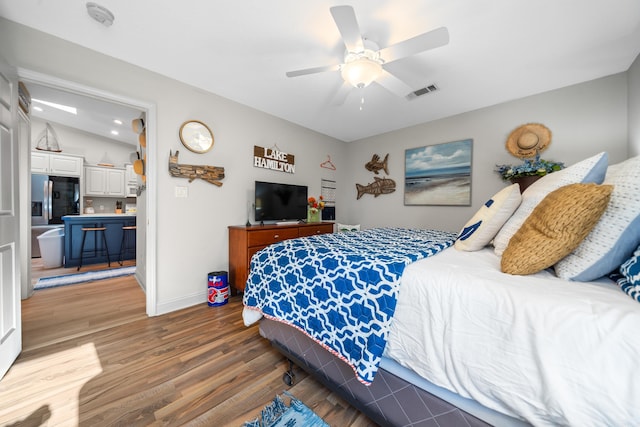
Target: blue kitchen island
(94,252)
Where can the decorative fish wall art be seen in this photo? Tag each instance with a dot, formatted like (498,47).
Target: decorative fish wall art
(375,164)
(377,187)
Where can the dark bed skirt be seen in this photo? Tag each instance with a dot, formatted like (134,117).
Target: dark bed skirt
(388,401)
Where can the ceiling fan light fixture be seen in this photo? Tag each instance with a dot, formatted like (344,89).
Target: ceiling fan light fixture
(361,72)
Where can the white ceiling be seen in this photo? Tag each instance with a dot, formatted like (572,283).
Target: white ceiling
(499,50)
(93,115)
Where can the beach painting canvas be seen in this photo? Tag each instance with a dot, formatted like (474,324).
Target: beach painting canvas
(438,174)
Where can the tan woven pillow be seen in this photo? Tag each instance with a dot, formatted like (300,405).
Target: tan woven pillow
(555,227)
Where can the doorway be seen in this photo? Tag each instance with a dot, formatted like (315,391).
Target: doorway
(146,235)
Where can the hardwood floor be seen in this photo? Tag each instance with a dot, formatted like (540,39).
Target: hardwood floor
(91,357)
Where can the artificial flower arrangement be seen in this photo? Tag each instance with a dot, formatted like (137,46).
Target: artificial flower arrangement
(314,208)
(315,205)
(530,167)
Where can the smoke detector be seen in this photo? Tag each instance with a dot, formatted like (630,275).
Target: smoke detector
(100,13)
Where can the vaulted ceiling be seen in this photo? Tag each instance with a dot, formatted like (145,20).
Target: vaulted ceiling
(498,50)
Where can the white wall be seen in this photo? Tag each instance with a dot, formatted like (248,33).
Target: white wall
(585,119)
(191,232)
(634,108)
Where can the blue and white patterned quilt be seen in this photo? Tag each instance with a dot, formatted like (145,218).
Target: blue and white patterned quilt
(340,289)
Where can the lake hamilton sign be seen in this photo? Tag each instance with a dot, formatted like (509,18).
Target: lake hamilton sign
(274,159)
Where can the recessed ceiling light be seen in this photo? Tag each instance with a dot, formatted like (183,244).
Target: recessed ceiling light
(117,121)
(66,108)
(114,132)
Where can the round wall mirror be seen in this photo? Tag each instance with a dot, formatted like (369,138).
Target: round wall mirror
(196,136)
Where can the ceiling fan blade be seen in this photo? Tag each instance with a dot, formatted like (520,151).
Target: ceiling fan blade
(341,95)
(345,19)
(430,40)
(393,84)
(312,70)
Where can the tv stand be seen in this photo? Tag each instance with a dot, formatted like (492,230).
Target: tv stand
(287,222)
(245,241)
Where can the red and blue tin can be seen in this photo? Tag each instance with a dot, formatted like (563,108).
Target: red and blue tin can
(218,288)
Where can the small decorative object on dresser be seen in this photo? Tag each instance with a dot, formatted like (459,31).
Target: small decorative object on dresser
(314,209)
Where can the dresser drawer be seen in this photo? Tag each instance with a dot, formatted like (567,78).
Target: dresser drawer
(268,237)
(251,251)
(312,230)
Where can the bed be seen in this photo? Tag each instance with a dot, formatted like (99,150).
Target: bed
(441,334)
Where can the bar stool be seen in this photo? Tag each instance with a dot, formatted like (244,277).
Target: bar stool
(96,228)
(126,238)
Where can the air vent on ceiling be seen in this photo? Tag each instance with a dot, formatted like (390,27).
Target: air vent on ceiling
(422,91)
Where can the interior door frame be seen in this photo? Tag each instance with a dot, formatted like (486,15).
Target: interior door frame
(150,217)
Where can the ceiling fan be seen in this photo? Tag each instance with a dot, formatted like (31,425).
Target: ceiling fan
(364,62)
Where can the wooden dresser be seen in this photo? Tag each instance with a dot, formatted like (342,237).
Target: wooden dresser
(244,241)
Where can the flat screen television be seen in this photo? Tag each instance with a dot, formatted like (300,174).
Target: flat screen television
(280,202)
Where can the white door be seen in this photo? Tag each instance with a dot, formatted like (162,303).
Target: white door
(10,324)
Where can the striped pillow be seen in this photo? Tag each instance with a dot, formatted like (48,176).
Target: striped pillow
(617,234)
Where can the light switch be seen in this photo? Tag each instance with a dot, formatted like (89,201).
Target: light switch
(181,191)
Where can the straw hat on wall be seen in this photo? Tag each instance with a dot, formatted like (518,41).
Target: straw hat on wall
(528,140)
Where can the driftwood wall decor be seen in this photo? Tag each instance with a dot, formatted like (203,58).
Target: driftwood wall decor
(211,174)
(379,185)
(374,165)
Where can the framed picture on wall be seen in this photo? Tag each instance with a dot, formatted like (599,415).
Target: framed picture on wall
(438,174)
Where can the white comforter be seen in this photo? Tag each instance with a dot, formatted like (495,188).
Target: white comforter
(549,351)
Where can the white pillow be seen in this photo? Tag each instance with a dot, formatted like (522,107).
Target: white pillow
(346,227)
(592,169)
(485,224)
(616,235)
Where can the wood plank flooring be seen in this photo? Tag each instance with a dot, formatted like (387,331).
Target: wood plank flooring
(91,357)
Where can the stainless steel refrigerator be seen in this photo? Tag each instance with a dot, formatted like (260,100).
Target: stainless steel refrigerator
(52,197)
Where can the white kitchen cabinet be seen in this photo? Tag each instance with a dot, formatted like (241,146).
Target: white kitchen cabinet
(131,176)
(106,182)
(56,164)
(131,186)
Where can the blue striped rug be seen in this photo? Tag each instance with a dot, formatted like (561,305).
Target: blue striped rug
(278,414)
(89,276)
